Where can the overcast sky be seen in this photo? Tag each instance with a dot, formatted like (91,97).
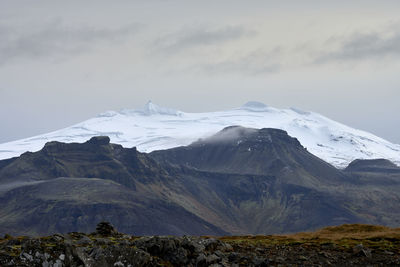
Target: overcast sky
(62,62)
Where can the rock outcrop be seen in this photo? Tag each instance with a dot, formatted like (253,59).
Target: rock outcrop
(368,245)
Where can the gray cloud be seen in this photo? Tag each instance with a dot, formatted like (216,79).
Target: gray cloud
(57,40)
(200,36)
(254,63)
(361,46)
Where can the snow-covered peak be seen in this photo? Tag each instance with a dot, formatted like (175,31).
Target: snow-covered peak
(153,127)
(152,109)
(255,106)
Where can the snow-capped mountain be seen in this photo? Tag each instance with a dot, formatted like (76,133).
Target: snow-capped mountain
(154,128)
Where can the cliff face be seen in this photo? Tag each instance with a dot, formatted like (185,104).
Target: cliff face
(70,187)
(240,181)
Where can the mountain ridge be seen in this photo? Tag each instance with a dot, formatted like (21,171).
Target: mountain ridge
(240,150)
(69,184)
(154,128)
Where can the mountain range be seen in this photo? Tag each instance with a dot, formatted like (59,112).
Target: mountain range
(154,128)
(237,181)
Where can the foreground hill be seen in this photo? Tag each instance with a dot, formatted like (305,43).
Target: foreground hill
(346,245)
(154,128)
(279,188)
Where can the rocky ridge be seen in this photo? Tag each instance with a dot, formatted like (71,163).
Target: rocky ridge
(240,181)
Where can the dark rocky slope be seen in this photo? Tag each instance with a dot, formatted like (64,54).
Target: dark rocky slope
(242,150)
(373,165)
(65,204)
(277,186)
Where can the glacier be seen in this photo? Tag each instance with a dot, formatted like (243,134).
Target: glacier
(154,128)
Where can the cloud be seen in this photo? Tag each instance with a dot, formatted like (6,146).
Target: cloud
(199,36)
(228,134)
(256,62)
(57,40)
(363,46)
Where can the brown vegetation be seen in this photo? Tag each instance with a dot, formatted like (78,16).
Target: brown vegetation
(343,237)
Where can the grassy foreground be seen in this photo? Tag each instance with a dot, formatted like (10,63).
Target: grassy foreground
(345,245)
(344,236)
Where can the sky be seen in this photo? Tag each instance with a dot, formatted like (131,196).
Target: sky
(62,62)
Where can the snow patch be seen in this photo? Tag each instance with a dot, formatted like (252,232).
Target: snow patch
(299,111)
(109,113)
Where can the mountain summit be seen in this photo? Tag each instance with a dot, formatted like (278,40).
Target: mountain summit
(255,106)
(153,109)
(248,151)
(154,128)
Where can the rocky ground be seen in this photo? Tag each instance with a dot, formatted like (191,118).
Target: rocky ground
(347,245)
